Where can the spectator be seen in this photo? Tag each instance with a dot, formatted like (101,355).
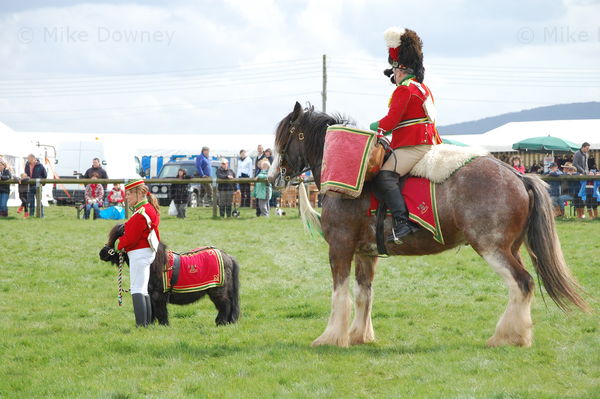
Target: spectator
(592,163)
(97,168)
(515,162)
(259,157)
(262,189)
(116,196)
(580,159)
(180,194)
(34,170)
(5,175)
(203,169)
(94,196)
(269,156)
(558,200)
(590,193)
(571,188)
(536,168)
(244,170)
(225,189)
(23,192)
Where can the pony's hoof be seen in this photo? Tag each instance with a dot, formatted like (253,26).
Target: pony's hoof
(327,339)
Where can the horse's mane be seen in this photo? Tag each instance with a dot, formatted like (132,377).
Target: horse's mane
(113,234)
(313,124)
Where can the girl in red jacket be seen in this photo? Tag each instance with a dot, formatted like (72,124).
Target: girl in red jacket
(140,241)
(410,121)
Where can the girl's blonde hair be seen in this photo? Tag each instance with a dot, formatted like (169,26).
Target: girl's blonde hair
(151,198)
(265,162)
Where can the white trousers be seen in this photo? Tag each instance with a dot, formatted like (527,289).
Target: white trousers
(139,267)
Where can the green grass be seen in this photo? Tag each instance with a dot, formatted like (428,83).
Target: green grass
(63,335)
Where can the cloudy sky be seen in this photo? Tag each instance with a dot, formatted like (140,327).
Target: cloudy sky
(192,67)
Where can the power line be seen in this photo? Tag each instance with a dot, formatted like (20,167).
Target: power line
(188,107)
(150,88)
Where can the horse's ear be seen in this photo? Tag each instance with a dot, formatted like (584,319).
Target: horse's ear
(297,112)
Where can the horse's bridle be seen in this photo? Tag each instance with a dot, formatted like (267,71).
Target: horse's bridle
(293,132)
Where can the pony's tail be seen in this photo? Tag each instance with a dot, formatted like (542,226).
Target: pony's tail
(310,218)
(154,202)
(545,251)
(234,291)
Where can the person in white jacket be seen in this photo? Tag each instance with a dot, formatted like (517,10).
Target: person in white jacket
(245,168)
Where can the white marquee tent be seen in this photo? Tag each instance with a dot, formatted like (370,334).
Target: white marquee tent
(502,138)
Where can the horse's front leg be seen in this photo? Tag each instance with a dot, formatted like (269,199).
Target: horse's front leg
(362,328)
(336,332)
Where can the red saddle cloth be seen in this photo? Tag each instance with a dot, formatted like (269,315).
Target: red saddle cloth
(419,195)
(199,269)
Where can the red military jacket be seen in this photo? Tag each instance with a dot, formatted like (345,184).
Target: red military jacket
(406,120)
(136,228)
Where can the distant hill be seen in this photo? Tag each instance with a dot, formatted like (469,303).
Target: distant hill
(590,110)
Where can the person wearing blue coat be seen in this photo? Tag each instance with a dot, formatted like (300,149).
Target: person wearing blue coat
(203,167)
(203,163)
(589,191)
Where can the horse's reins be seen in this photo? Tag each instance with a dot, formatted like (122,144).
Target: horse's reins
(112,252)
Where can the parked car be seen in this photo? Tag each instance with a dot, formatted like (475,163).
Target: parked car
(169,171)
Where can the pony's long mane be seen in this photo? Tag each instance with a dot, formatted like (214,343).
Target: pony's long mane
(113,234)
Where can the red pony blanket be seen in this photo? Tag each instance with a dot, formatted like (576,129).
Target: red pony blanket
(419,194)
(199,269)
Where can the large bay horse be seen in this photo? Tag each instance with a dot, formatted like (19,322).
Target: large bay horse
(485,204)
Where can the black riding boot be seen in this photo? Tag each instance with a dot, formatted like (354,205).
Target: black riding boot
(386,184)
(139,309)
(148,309)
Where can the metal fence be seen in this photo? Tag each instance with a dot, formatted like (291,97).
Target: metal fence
(201,180)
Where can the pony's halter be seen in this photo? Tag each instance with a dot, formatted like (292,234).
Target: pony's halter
(294,132)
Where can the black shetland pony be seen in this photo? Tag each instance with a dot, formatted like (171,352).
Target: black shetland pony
(226,297)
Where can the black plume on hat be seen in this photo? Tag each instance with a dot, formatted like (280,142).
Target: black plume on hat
(405,50)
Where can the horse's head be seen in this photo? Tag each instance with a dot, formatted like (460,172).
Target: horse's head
(108,253)
(290,160)
(299,142)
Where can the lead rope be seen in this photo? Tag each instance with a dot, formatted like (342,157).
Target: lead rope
(120,279)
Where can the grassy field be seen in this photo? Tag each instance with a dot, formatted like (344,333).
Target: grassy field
(62,334)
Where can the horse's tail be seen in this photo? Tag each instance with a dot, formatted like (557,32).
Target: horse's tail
(234,291)
(310,218)
(545,251)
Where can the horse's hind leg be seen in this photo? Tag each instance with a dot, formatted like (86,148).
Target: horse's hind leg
(219,298)
(361,330)
(515,326)
(159,307)
(336,332)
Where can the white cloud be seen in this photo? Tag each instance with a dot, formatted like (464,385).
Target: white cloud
(227,61)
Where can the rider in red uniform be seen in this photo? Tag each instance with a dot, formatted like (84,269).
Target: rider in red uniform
(410,121)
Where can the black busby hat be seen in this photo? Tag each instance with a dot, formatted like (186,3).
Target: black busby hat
(405,51)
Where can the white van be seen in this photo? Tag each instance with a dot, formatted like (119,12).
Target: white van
(73,158)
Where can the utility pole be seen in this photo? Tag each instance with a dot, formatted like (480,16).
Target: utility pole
(324,92)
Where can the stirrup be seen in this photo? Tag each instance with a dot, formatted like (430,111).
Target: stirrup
(407,231)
